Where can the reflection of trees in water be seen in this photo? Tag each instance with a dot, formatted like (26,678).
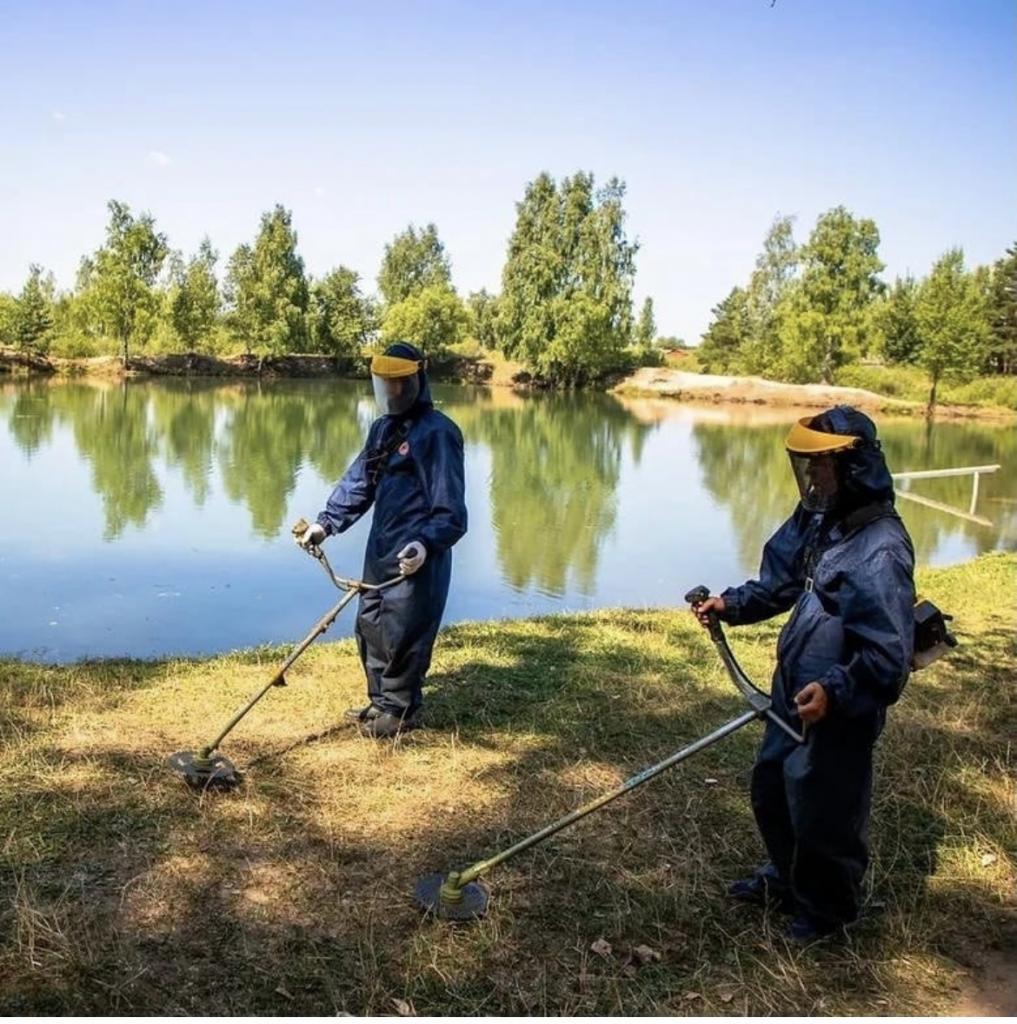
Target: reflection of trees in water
(29,416)
(555,468)
(555,460)
(746,469)
(272,428)
(910,446)
(112,432)
(183,414)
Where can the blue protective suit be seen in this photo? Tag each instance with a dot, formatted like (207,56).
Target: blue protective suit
(848,575)
(411,471)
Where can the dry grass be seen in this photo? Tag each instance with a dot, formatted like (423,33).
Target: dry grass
(121,891)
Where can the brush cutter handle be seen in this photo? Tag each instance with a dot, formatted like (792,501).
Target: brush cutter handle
(696,597)
(300,527)
(759,701)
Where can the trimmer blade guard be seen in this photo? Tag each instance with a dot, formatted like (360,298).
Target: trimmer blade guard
(215,772)
(470,905)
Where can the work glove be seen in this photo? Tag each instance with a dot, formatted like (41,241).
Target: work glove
(308,536)
(412,557)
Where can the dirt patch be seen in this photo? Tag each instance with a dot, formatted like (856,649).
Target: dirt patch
(13,360)
(991,991)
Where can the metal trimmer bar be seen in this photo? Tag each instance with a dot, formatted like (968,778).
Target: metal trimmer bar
(209,770)
(458,896)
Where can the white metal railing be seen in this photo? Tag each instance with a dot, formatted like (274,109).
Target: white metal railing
(975,472)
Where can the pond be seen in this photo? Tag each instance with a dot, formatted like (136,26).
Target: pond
(153,518)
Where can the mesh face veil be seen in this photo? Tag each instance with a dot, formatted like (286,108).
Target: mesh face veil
(816,462)
(396,383)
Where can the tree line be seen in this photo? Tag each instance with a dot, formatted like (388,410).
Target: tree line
(564,311)
(810,309)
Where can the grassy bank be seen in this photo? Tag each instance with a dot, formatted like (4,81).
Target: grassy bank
(121,891)
(452,367)
(910,384)
(985,398)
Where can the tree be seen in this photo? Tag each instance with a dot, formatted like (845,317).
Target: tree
(953,324)
(1002,356)
(566,302)
(483,308)
(413,260)
(824,316)
(8,319)
(432,319)
(194,299)
(769,286)
(895,322)
(730,329)
(342,319)
(33,320)
(120,278)
(646,327)
(266,288)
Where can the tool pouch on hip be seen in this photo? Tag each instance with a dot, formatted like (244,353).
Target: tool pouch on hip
(932,637)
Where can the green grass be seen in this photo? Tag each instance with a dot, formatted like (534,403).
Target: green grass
(909,383)
(123,892)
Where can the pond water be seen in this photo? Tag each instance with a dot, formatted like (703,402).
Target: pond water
(153,518)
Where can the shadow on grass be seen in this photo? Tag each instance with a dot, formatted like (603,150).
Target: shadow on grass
(124,892)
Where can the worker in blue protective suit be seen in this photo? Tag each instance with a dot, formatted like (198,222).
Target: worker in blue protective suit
(844,563)
(411,471)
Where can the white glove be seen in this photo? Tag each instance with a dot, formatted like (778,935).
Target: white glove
(412,557)
(312,536)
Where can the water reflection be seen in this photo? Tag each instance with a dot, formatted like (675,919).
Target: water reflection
(556,461)
(746,470)
(161,496)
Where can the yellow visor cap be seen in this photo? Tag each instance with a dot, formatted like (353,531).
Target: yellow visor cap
(803,440)
(394,366)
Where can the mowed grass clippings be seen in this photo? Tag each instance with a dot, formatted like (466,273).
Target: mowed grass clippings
(121,891)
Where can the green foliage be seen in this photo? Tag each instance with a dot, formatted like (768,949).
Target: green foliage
(646,326)
(824,318)
(34,317)
(953,323)
(8,319)
(899,380)
(413,260)
(432,319)
(483,309)
(266,289)
(769,286)
(566,305)
(194,299)
(1002,354)
(895,324)
(721,348)
(343,320)
(670,343)
(911,383)
(994,390)
(118,281)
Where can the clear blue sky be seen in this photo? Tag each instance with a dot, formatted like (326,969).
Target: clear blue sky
(363,117)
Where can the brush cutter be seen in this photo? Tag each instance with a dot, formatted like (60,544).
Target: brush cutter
(208,769)
(458,896)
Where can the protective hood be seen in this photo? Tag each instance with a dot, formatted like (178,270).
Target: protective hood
(864,476)
(396,393)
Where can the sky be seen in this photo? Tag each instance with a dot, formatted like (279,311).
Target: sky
(362,118)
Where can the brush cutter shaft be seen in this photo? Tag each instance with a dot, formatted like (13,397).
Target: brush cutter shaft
(482,867)
(316,630)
